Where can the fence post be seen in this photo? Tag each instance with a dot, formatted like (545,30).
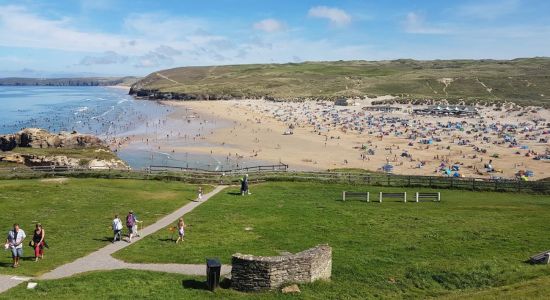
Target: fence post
(519,186)
(430,181)
(496,185)
(473,184)
(409,184)
(389,180)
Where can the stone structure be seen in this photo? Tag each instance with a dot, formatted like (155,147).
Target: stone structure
(40,138)
(257,273)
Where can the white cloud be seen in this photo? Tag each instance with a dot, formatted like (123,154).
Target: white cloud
(415,23)
(269,25)
(336,16)
(21,28)
(107,58)
(162,55)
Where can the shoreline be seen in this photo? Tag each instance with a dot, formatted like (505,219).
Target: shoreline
(119,87)
(252,131)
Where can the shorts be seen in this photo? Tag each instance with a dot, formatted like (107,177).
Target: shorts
(181,233)
(130,229)
(16,252)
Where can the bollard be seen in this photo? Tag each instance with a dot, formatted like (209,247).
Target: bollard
(213,270)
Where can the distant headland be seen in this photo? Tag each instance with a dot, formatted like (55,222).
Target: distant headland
(72,81)
(524,81)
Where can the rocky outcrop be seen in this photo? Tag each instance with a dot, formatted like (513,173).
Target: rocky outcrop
(40,138)
(13,150)
(257,273)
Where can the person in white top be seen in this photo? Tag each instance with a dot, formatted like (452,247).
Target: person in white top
(15,239)
(117,229)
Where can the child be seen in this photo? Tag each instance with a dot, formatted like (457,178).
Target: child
(117,229)
(181,230)
(200,193)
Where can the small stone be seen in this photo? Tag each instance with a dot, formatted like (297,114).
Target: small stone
(291,289)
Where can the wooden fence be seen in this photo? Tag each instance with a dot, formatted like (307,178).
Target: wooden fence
(271,173)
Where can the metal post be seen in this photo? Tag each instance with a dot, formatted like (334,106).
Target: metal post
(438,197)
(344,196)
(368,196)
(405,197)
(380,199)
(417,197)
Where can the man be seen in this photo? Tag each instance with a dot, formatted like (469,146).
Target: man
(15,239)
(117,229)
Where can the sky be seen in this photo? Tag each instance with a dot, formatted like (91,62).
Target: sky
(116,37)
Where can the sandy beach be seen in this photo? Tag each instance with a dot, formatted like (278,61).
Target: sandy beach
(255,129)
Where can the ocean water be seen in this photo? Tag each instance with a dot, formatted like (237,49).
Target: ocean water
(111,113)
(106,112)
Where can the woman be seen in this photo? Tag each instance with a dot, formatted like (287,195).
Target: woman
(38,241)
(181,230)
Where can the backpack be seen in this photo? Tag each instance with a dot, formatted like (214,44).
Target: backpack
(130,221)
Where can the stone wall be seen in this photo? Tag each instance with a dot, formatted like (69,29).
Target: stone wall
(258,273)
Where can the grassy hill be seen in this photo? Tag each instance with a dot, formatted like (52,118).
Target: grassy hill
(76,81)
(524,81)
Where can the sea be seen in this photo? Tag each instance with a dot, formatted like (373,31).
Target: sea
(107,113)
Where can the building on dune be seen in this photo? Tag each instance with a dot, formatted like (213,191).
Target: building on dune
(452,110)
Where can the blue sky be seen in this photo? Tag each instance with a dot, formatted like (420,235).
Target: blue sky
(41,38)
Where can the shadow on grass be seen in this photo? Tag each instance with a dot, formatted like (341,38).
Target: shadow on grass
(5,265)
(201,285)
(194,284)
(171,240)
(104,239)
(234,193)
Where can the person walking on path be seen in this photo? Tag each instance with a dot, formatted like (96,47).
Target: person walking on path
(15,239)
(38,241)
(136,225)
(181,230)
(200,193)
(117,229)
(130,222)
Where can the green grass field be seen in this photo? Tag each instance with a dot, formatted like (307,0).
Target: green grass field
(469,241)
(523,81)
(77,214)
(471,245)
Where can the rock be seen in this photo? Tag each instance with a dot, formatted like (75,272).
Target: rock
(40,138)
(106,164)
(13,158)
(291,289)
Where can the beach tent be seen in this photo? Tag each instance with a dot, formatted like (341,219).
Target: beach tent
(387,168)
